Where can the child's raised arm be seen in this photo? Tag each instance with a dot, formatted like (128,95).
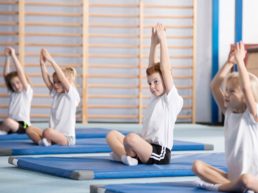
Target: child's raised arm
(19,68)
(6,69)
(240,53)
(153,46)
(217,81)
(59,72)
(165,67)
(44,72)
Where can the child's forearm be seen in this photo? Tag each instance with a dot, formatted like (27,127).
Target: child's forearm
(58,70)
(164,56)
(220,76)
(153,54)
(6,69)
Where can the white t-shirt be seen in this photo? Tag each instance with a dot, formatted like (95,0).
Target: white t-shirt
(241,144)
(160,117)
(20,105)
(63,111)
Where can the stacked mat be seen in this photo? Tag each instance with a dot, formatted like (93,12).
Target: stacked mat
(161,187)
(101,167)
(88,141)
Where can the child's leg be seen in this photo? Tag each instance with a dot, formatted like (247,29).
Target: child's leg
(245,182)
(34,133)
(209,173)
(54,136)
(115,141)
(134,144)
(9,125)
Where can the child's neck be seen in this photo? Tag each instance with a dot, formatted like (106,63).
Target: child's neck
(239,109)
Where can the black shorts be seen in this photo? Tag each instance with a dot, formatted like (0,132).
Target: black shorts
(159,155)
(22,126)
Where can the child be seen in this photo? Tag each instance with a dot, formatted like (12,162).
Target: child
(65,100)
(154,144)
(21,93)
(239,104)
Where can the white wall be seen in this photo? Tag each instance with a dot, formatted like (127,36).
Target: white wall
(226,37)
(250,25)
(203,60)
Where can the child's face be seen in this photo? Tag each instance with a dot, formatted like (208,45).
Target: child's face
(16,84)
(58,86)
(156,84)
(234,98)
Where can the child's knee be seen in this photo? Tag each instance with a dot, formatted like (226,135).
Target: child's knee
(111,135)
(197,167)
(246,180)
(8,122)
(47,133)
(131,139)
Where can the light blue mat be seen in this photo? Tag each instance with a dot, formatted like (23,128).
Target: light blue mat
(100,167)
(162,187)
(86,145)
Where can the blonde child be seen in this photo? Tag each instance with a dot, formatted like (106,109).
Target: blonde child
(154,144)
(65,101)
(21,93)
(239,104)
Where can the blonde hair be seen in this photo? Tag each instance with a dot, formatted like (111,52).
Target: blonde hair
(153,69)
(70,73)
(253,80)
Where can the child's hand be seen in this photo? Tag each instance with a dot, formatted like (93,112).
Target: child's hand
(42,59)
(154,37)
(9,51)
(231,57)
(45,55)
(240,52)
(161,32)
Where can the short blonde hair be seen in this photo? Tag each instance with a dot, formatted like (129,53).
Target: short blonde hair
(253,80)
(70,73)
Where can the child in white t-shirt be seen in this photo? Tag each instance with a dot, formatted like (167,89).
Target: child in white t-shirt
(239,104)
(154,144)
(21,94)
(65,101)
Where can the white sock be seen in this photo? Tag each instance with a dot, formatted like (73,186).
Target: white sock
(114,156)
(127,160)
(44,142)
(248,191)
(206,185)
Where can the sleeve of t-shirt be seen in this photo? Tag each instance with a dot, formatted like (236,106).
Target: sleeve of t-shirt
(74,95)
(174,100)
(29,91)
(52,92)
(251,117)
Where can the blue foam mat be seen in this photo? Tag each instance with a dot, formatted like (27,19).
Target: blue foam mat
(80,133)
(86,145)
(100,167)
(161,187)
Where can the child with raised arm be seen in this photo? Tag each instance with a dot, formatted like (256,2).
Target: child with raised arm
(21,94)
(65,101)
(239,104)
(154,144)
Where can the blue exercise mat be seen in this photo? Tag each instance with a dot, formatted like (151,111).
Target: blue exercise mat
(161,187)
(100,167)
(80,133)
(86,145)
